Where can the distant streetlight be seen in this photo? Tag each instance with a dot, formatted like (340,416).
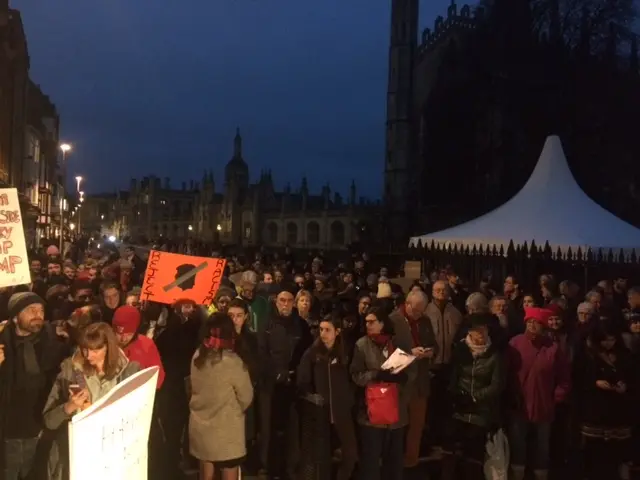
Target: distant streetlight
(190,227)
(72,226)
(78,181)
(102,217)
(81,196)
(218,227)
(64,148)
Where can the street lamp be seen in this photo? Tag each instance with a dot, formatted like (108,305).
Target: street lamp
(190,227)
(80,210)
(72,226)
(78,181)
(64,147)
(218,227)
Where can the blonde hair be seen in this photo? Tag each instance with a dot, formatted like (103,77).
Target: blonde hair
(301,294)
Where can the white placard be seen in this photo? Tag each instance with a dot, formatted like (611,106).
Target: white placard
(110,439)
(14,263)
(398,361)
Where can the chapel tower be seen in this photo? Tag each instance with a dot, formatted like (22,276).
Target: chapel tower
(397,171)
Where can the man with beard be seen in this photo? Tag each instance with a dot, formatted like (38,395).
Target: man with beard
(30,357)
(281,346)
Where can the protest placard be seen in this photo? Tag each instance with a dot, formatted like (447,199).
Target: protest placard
(171,276)
(14,263)
(109,440)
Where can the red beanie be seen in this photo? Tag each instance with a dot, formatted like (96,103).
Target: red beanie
(126,319)
(540,315)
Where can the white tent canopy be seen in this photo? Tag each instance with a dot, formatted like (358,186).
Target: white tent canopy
(551,207)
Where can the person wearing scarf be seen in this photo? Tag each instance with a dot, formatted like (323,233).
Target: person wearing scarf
(476,386)
(414,334)
(539,379)
(28,368)
(382,446)
(221,392)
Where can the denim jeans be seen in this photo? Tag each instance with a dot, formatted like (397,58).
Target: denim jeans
(381,444)
(19,457)
(527,437)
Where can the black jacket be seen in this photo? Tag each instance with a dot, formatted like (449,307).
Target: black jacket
(326,373)
(281,347)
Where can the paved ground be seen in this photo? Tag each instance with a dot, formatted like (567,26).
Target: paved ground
(424,471)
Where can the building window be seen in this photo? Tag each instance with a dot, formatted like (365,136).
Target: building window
(292,233)
(313,233)
(337,233)
(272,233)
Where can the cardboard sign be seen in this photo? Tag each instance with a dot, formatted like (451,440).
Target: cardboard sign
(171,276)
(110,439)
(14,263)
(413,269)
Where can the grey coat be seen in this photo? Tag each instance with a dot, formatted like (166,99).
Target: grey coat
(367,360)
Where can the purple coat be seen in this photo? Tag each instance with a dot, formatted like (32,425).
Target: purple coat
(540,376)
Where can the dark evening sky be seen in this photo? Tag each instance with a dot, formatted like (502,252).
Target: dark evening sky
(151,87)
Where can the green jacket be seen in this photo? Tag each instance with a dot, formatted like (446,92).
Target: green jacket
(483,379)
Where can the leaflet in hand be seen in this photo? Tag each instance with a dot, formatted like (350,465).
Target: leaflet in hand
(398,361)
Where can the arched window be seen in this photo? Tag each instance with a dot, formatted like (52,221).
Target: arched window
(313,233)
(337,233)
(272,233)
(292,233)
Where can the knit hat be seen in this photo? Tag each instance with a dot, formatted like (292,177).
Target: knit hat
(540,315)
(126,319)
(19,301)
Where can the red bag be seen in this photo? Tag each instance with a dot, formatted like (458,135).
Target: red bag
(382,403)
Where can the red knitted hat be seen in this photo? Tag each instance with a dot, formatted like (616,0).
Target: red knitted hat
(540,315)
(126,319)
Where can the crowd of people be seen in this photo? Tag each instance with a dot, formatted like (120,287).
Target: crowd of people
(282,374)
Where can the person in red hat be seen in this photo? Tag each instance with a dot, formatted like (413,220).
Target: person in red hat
(540,379)
(138,348)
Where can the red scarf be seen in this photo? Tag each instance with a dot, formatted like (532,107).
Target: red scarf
(413,325)
(382,340)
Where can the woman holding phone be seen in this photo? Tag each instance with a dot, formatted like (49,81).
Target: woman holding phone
(95,368)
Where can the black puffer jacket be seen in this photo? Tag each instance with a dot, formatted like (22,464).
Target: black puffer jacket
(476,385)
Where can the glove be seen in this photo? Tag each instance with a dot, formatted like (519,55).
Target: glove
(388,377)
(315,398)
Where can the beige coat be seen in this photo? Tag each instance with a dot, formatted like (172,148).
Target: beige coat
(221,392)
(445,325)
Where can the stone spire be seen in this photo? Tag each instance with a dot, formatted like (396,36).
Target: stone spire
(237,144)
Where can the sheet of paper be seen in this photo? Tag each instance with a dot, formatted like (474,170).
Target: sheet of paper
(398,361)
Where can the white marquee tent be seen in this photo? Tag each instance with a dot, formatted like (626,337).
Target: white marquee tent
(551,207)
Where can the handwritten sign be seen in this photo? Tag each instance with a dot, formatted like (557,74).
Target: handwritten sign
(171,276)
(14,265)
(110,439)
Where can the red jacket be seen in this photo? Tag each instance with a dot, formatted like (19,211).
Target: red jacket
(144,351)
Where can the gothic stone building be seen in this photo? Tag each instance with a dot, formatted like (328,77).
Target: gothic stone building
(243,213)
(240,213)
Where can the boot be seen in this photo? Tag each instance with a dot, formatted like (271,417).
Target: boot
(517,472)
(448,470)
(540,474)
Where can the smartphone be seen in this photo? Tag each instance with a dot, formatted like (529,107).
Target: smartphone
(75,388)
